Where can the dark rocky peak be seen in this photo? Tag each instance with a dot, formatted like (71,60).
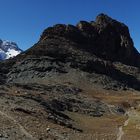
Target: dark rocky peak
(84,26)
(105,37)
(68,31)
(64,49)
(60,30)
(103,18)
(55,30)
(105,22)
(87,29)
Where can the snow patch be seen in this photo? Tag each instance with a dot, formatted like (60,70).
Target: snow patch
(8,49)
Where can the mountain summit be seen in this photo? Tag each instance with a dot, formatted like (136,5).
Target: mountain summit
(8,49)
(105,37)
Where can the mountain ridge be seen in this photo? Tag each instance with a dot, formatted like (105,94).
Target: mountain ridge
(105,37)
(63,48)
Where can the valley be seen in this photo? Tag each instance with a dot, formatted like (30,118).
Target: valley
(28,120)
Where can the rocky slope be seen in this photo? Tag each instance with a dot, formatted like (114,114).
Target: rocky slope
(8,50)
(88,72)
(101,51)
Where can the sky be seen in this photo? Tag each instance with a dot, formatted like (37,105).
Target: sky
(23,21)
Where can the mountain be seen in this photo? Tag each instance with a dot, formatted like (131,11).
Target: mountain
(106,38)
(103,47)
(77,82)
(8,49)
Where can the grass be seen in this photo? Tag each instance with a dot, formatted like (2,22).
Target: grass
(105,127)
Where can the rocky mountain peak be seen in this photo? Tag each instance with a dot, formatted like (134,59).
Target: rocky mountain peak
(8,49)
(104,21)
(103,18)
(105,37)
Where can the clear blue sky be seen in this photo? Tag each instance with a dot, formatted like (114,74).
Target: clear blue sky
(23,21)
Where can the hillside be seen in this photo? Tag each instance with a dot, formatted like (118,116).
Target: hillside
(76,82)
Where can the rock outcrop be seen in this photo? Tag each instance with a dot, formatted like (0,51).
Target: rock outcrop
(104,37)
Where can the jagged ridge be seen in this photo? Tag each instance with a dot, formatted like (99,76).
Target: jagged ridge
(106,38)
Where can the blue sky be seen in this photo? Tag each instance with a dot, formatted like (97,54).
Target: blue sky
(23,21)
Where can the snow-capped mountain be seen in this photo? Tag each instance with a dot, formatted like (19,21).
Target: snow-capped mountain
(8,49)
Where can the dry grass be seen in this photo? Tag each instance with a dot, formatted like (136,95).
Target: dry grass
(105,127)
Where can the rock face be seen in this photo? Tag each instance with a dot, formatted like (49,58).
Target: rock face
(8,50)
(106,38)
(114,41)
(102,50)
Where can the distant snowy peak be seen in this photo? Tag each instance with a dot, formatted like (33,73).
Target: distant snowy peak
(8,49)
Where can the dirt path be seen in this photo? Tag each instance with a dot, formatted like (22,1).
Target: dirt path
(28,135)
(121,132)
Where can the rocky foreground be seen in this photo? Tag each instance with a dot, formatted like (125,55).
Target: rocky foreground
(77,82)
